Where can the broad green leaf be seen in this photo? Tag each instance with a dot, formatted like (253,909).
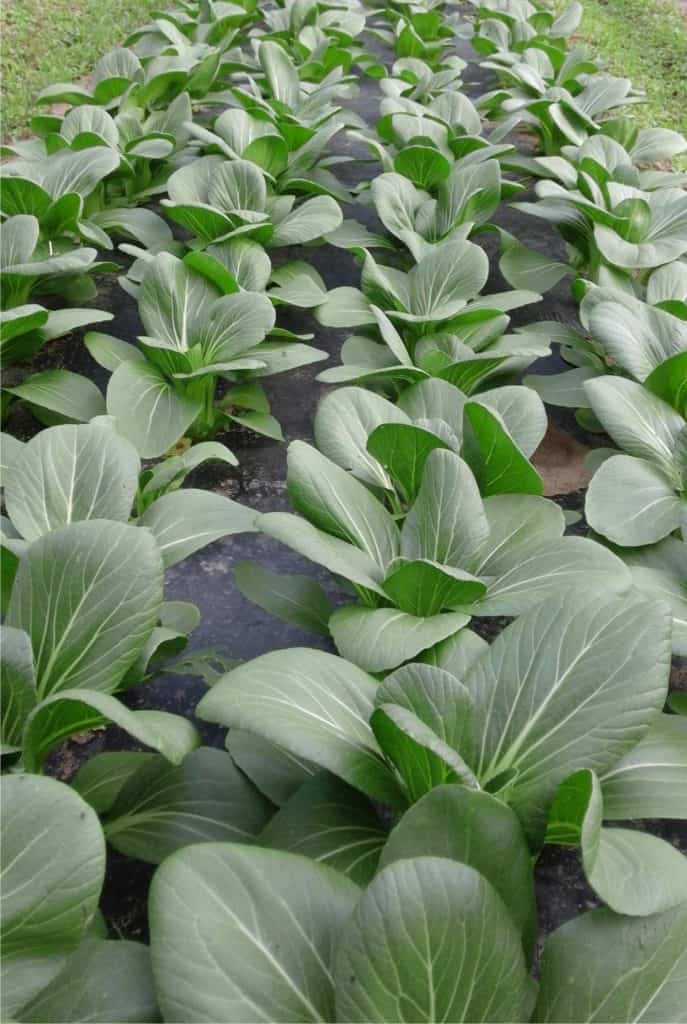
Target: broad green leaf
(437,698)
(669,382)
(402,449)
(276,772)
(68,712)
(334,501)
(88,595)
(457,654)
(102,981)
(344,420)
(66,395)
(565,389)
(522,412)
(659,573)
(606,967)
(173,302)
(442,282)
(18,686)
(331,823)
(474,828)
(434,399)
(110,352)
(100,778)
(632,502)
(281,74)
(424,165)
(515,524)
(204,798)
(281,697)
(345,307)
(48,901)
(650,780)
(497,462)
(298,600)
(149,411)
(425,588)
(336,555)
(71,473)
(430,940)
(422,759)
(187,520)
(308,221)
(447,521)
(240,933)
(379,639)
(632,872)
(640,423)
(541,573)
(573,682)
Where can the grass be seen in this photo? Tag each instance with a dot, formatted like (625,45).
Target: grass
(646,41)
(48,41)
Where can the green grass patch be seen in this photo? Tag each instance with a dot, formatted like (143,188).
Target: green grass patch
(646,41)
(48,41)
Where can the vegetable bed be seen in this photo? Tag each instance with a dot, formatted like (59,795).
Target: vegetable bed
(345,537)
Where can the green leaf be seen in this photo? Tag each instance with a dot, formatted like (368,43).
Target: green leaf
(204,798)
(344,421)
(422,759)
(339,557)
(476,829)
(532,574)
(281,695)
(650,780)
(275,771)
(602,657)
(298,600)
(632,872)
(447,522)
(643,976)
(186,521)
(442,282)
(68,474)
(658,573)
(173,302)
(403,449)
(564,389)
(669,382)
(431,940)
(632,502)
(425,166)
(110,352)
(425,588)
(281,75)
(243,933)
(48,901)
(102,981)
(88,595)
(18,686)
(379,639)
(149,411)
(334,501)
(331,823)
(100,778)
(345,307)
(66,395)
(310,220)
(498,464)
(640,423)
(68,712)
